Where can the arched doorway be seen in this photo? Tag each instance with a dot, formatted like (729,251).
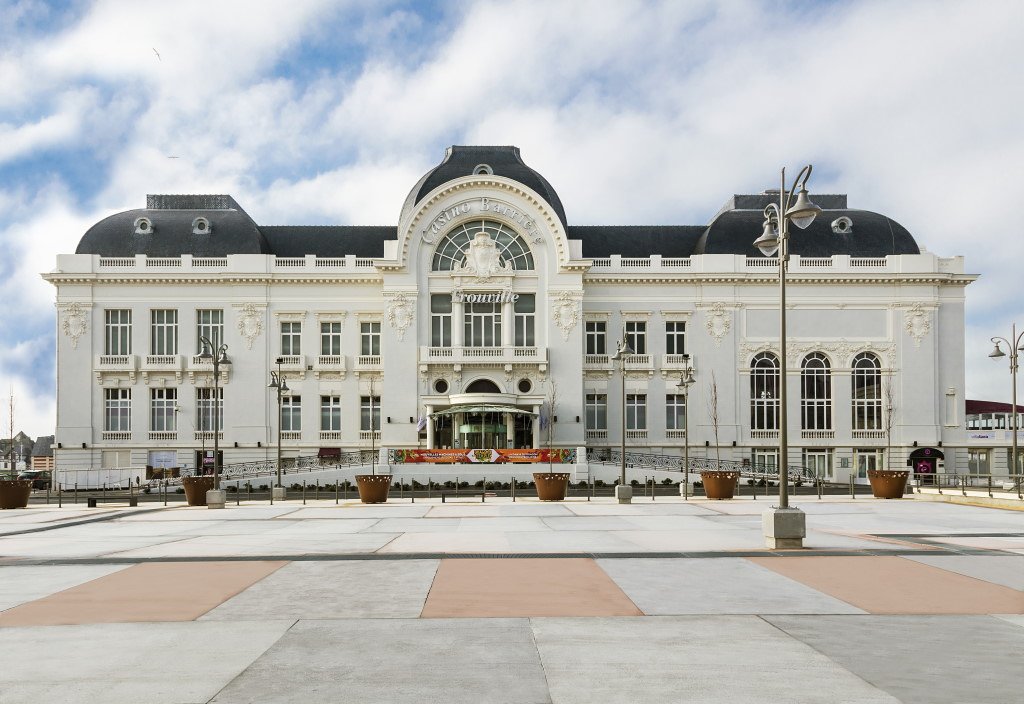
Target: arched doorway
(924,463)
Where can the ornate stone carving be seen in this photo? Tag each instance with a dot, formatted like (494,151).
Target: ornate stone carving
(840,352)
(401,313)
(717,321)
(482,260)
(75,323)
(917,322)
(566,312)
(250,323)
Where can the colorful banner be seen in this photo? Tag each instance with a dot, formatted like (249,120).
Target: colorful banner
(483,456)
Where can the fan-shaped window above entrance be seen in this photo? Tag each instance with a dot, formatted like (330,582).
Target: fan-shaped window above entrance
(451,252)
(483,386)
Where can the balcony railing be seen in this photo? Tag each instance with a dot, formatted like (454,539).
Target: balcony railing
(368,360)
(163,435)
(868,435)
(674,361)
(291,434)
(117,435)
(330,435)
(677,434)
(331,361)
(597,435)
(207,435)
(369,435)
(454,355)
(162,361)
(639,361)
(636,434)
(597,361)
(817,434)
(117,362)
(764,434)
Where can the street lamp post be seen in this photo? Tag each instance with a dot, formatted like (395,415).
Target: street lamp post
(216,497)
(623,492)
(785,527)
(1016,345)
(686,380)
(278,382)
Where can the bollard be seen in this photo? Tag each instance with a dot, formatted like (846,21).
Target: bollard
(47,494)
(248,491)
(963,485)
(513,489)
(990,486)
(316,494)
(428,487)
(852,495)
(346,490)
(337,484)
(456,485)
(76,492)
(60,502)
(238,495)
(401,488)
(303,492)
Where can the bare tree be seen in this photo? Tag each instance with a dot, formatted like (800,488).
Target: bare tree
(551,416)
(712,408)
(889,396)
(10,423)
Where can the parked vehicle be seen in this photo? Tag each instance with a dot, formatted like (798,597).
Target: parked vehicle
(41,478)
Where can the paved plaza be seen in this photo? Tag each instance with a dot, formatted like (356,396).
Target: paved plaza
(580,601)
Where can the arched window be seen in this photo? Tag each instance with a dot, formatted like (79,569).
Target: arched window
(483,386)
(867,392)
(764,392)
(511,247)
(816,392)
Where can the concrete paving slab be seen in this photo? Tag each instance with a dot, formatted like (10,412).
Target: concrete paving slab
(266,544)
(672,659)
(19,585)
(702,540)
(497,508)
(604,507)
(921,659)
(728,585)
(1015,619)
(324,526)
(571,541)
(447,542)
(397,661)
(418,525)
(1013,543)
(510,524)
(1007,570)
(66,544)
(355,509)
(156,663)
(332,590)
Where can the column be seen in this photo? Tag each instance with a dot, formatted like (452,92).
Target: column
(506,324)
(536,427)
(456,435)
(458,322)
(510,430)
(430,428)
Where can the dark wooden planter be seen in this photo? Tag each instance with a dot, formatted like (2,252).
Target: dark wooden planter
(196,488)
(888,483)
(14,493)
(373,488)
(719,484)
(551,486)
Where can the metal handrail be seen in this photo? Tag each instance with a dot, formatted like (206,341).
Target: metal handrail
(673,463)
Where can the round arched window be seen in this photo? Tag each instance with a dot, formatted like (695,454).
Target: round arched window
(452,249)
(441,386)
(525,386)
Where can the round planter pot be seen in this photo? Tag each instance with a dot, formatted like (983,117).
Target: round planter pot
(888,483)
(719,484)
(373,488)
(14,493)
(551,486)
(196,488)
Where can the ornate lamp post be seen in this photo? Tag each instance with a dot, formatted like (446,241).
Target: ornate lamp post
(623,492)
(785,527)
(277,381)
(216,497)
(1016,345)
(686,380)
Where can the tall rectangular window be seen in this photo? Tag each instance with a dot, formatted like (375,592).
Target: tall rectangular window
(330,413)
(636,411)
(117,410)
(675,337)
(369,338)
(675,412)
(482,323)
(596,409)
(524,308)
(765,459)
(209,324)
(330,339)
(369,413)
(596,336)
(291,338)
(209,409)
(291,413)
(117,332)
(636,336)
(441,320)
(867,459)
(164,332)
(162,406)
(819,462)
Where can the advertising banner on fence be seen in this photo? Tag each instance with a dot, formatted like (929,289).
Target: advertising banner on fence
(484,456)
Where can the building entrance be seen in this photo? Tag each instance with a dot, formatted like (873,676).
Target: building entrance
(483,427)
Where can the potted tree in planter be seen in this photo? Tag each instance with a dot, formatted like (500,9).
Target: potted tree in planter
(14,492)
(551,485)
(373,488)
(888,483)
(718,483)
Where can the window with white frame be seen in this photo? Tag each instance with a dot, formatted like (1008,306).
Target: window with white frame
(819,462)
(291,413)
(369,413)
(117,410)
(117,332)
(636,336)
(369,338)
(596,412)
(162,406)
(636,411)
(765,459)
(163,332)
(440,320)
(330,413)
(291,337)
(866,380)
(330,339)
(596,336)
(815,392)
(867,459)
(764,392)
(209,409)
(482,320)
(675,412)
(675,337)
(209,324)
(524,309)
(978,461)
(453,249)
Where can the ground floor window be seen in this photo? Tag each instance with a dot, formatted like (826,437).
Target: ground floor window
(867,459)
(330,413)
(978,462)
(597,412)
(819,462)
(765,459)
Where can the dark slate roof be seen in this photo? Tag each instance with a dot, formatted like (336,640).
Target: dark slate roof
(460,161)
(43,446)
(232,230)
(637,240)
(328,240)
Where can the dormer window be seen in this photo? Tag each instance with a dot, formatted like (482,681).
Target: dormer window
(143,226)
(483,170)
(201,226)
(842,225)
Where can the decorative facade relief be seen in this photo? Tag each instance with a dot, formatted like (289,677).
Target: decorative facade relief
(566,312)
(917,323)
(482,260)
(75,323)
(841,352)
(250,323)
(401,312)
(717,321)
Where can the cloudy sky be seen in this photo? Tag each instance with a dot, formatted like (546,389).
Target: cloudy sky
(317,111)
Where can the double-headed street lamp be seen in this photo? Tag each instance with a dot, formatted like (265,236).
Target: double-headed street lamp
(686,380)
(623,492)
(785,527)
(277,381)
(218,355)
(1016,345)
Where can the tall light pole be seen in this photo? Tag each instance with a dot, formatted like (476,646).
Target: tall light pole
(1016,347)
(278,382)
(686,380)
(785,527)
(623,492)
(215,498)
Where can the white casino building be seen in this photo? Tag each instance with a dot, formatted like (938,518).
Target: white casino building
(486,320)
